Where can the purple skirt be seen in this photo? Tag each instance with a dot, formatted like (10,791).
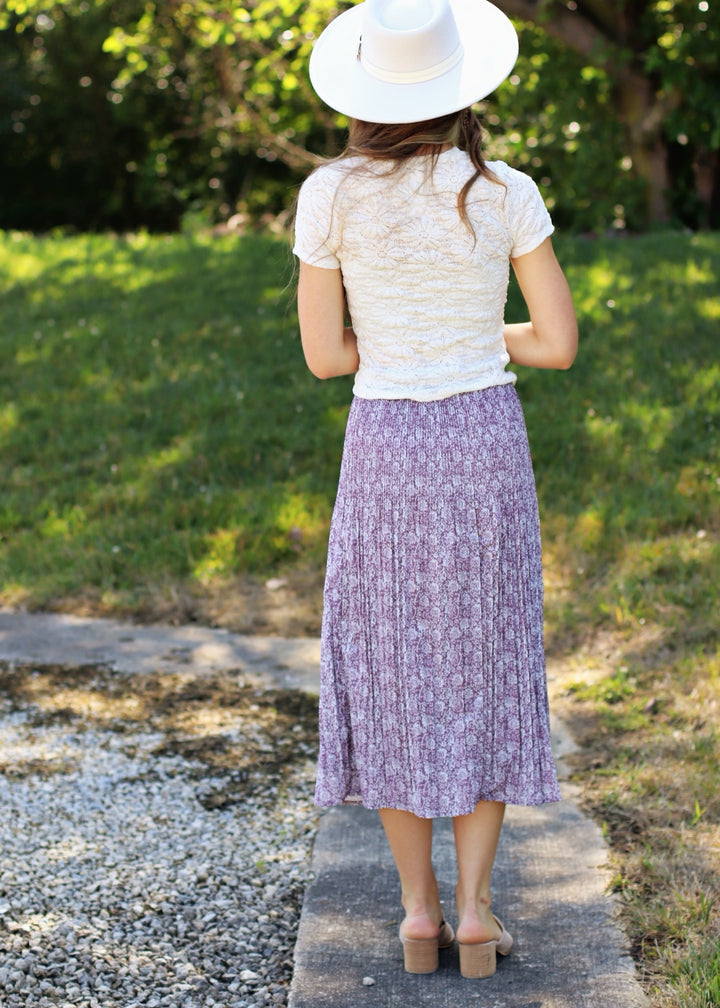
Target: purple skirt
(433,693)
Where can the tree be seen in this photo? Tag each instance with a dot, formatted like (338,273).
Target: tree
(250,61)
(566,137)
(661,57)
(75,151)
(224,84)
(207,103)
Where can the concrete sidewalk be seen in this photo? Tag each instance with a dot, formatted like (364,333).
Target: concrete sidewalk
(549,889)
(52,639)
(550,881)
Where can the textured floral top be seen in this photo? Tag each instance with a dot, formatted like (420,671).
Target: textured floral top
(426,296)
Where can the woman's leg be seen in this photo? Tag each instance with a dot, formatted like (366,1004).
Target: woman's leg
(476,840)
(410,840)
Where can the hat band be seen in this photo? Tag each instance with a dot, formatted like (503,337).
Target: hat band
(411,76)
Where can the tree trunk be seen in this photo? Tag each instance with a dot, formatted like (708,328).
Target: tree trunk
(640,112)
(642,117)
(707,180)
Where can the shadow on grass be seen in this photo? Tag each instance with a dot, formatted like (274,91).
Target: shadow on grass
(630,433)
(158,419)
(626,445)
(158,423)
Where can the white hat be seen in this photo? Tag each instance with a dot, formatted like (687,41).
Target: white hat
(402,61)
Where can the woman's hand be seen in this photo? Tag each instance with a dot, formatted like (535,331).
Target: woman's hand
(550,338)
(329,346)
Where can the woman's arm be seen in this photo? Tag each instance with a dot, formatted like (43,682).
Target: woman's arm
(330,347)
(550,338)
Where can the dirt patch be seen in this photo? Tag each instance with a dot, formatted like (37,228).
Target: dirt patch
(289,605)
(647,725)
(286,605)
(237,739)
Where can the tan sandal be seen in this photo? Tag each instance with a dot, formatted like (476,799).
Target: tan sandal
(479,959)
(421,954)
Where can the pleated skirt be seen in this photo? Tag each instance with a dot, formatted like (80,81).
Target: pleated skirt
(433,690)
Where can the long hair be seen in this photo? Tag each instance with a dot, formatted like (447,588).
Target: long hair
(396,143)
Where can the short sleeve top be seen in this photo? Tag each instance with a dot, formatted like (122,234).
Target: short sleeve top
(425,294)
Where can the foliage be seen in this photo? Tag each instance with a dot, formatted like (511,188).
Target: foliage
(251,59)
(684,61)
(72,153)
(170,105)
(661,60)
(566,138)
(128,113)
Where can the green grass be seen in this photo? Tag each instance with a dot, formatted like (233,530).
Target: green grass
(157,425)
(627,442)
(161,436)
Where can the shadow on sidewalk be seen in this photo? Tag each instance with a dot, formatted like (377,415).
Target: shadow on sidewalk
(549,888)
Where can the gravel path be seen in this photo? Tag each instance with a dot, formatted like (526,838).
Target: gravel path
(154,840)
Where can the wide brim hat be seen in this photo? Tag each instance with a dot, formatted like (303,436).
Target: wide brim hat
(402,61)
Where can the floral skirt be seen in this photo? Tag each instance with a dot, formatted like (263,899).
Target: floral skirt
(433,692)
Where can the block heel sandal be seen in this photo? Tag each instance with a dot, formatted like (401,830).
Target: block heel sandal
(479,959)
(421,954)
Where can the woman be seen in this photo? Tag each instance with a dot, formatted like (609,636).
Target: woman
(433,694)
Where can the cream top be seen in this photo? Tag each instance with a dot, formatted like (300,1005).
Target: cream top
(426,298)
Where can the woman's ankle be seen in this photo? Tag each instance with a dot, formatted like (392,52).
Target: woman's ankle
(476,922)
(419,924)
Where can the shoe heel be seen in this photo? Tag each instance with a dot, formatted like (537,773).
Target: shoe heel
(479,960)
(420,955)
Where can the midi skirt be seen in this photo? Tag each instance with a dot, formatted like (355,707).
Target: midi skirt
(433,692)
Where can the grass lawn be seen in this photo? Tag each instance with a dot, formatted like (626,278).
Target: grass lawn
(165,454)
